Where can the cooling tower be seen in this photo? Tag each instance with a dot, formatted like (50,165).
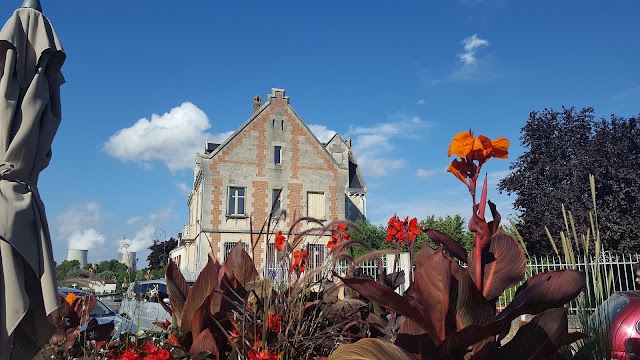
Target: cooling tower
(80,255)
(129,259)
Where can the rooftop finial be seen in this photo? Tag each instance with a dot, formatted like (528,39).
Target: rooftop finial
(32,4)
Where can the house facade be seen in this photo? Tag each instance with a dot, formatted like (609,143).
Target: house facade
(273,164)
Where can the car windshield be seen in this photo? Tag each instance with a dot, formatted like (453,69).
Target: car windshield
(101,310)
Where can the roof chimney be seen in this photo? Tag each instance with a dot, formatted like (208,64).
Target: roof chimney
(257,103)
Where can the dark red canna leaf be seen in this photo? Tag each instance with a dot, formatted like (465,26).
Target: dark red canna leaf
(549,290)
(494,224)
(385,297)
(468,304)
(541,337)
(205,343)
(243,267)
(453,247)
(431,290)
(504,265)
(204,285)
(177,289)
(425,251)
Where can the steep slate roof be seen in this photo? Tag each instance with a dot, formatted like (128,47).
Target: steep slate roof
(356,181)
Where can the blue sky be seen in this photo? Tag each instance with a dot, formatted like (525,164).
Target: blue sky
(153,80)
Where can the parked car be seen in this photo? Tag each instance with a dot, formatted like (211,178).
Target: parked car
(141,304)
(620,313)
(102,313)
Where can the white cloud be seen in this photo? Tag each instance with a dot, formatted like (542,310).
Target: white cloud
(142,239)
(78,226)
(420,102)
(425,174)
(378,167)
(134,220)
(471,45)
(162,215)
(184,188)
(372,145)
(321,132)
(173,138)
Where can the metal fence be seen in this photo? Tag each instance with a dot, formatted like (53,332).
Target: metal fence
(616,269)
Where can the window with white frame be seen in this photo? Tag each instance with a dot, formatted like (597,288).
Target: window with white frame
(315,205)
(229,245)
(276,201)
(236,201)
(277,155)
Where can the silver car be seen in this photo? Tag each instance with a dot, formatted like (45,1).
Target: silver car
(141,304)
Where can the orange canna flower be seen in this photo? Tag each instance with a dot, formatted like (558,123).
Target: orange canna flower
(71,297)
(471,149)
(280,241)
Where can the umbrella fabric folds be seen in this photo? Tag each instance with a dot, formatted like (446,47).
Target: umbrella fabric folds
(30,60)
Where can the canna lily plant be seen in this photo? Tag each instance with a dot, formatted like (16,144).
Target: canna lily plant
(449,310)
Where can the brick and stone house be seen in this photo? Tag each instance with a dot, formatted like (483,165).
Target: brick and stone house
(272,160)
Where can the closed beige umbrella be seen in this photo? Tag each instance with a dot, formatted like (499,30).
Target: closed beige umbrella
(30,60)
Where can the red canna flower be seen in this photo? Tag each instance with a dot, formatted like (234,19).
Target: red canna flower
(164,355)
(299,260)
(338,234)
(414,230)
(402,230)
(280,241)
(275,323)
(150,348)
(257,354)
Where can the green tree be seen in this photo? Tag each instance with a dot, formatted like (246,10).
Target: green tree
(370,234)
(65,268)
(159,256)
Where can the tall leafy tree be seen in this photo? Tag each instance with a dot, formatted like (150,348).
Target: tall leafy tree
(370,234)
(564,147)
(159,256)
(616,155)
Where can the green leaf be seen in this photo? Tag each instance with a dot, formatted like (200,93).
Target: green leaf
(370,349)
